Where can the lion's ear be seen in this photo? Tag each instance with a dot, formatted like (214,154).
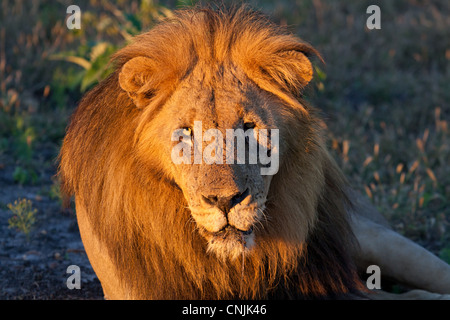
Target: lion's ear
(135,79)
(293,70)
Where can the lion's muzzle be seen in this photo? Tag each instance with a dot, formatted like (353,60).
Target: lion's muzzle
(218,211)
(227,221)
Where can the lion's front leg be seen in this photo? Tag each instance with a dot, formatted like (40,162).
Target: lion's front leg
(400,259)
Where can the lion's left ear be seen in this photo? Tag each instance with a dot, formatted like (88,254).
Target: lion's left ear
(136,79)
(292,70)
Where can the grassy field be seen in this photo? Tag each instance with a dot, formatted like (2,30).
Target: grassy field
(384,93)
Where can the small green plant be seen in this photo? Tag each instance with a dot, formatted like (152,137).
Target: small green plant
(93,55)
(23,217)
(94,64)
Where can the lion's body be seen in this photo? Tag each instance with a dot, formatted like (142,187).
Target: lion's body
(133,215)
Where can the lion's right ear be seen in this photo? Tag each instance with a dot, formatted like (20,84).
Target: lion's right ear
(135,79)
(294,70)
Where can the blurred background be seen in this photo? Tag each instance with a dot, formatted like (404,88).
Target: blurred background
(384,95)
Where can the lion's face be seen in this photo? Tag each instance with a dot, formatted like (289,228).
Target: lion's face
(189,104)
(226,199)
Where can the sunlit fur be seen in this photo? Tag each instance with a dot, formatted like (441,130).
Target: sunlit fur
(140,214)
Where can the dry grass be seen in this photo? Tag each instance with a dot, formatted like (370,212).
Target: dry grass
(384,93)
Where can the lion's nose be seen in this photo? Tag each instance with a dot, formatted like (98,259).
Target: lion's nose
(225,203)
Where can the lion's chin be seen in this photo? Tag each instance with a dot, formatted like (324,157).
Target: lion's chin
(229,243)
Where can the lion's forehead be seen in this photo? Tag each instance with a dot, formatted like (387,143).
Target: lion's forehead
(222,106)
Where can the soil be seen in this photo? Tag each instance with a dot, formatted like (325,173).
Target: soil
(36,268)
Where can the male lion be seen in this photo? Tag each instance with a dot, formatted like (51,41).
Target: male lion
(154,229)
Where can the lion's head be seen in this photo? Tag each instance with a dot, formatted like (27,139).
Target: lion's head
(226,199)
(147,157)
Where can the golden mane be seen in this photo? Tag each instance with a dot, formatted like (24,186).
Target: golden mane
(140,213)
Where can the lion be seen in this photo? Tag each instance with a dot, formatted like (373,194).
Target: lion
(154,229)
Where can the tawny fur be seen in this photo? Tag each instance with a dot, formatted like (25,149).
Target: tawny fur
(112,162)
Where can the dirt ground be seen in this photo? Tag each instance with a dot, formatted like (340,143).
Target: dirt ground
(36,269)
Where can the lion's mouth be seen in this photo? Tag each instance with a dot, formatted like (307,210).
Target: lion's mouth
(230,242)
(224,231)
(231,234)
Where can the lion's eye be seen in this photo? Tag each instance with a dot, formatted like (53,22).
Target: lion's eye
(187,132)
(249,125)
